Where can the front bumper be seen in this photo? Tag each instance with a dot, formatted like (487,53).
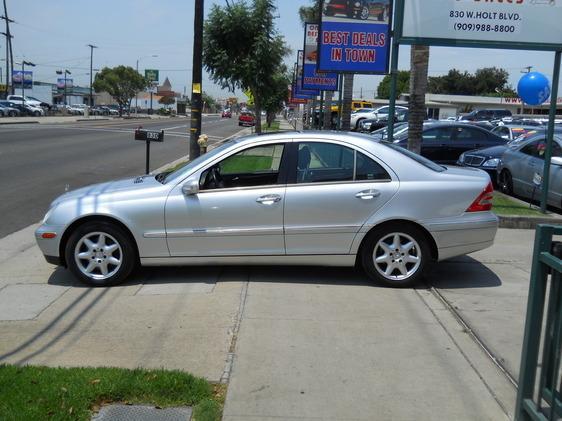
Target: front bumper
(50,246)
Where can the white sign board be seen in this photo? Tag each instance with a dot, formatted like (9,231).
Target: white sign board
(486,21)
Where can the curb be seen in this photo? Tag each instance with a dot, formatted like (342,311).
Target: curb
(93,119)
(18,122)
(526,222)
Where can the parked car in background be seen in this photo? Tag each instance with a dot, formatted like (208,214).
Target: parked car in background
(373,114)
(487,114)
(18,99)
(24,110)
(8,111)
(521,168)
(275,199)
(488,159)
(371,125)
(246,118)
(358,9)
(444,142)
(226,114)
(512,131)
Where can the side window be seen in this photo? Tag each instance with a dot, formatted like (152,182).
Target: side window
(324,162)
(530,149)
(367,169)
(468,134)
(327,162)
(556,149)
(252,167)
(440,134)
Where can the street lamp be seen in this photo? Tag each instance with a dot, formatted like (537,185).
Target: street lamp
(23,63)
(66,72)
(136,95)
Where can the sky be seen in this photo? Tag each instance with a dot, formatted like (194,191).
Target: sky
(54,35)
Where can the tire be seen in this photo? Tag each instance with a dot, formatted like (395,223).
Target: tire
(37,114)
(377,255)
(12,114)
(99,243)
(506,182)
(358,122)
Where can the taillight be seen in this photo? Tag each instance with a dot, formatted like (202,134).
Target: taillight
(484,200)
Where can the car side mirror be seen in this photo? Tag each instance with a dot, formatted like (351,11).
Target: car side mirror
(190,188)
(556,160)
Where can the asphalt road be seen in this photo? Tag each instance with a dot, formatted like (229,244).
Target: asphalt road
(39,162)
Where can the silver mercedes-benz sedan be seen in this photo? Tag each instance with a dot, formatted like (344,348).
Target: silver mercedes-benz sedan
(312,198)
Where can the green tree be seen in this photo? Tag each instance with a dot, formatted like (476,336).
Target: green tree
(167,100)
(486,81)
(242,48)
(402,85)
(209,102)
(311,14)
(121,82)
(273,102)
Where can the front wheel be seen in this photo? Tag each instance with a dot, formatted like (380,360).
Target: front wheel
(396,255)
(364,14)
(100,254)
(506,182)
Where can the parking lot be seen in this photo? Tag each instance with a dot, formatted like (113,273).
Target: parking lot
(296,342)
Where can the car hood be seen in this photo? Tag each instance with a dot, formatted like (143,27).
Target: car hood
(112,189)
(491,152)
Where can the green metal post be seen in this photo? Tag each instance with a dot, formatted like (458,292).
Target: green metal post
(340,99)
(397,32)
(550,135)
(320,119)
(533,322)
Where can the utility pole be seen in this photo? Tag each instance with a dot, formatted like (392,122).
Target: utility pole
(196,80)
(91,102)
(10,63)
(23,63)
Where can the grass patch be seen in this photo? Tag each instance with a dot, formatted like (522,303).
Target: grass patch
(273,128)
(37,393)
(504,205)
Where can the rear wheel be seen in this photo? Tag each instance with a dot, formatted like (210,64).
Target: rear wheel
(364,14)
(506,182)
(100,254)
(396,255)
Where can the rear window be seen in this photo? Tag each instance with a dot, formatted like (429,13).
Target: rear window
(418,158)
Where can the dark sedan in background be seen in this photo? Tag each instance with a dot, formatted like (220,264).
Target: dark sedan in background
(444,142)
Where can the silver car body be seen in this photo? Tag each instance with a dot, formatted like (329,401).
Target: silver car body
(527,169)
(307,223)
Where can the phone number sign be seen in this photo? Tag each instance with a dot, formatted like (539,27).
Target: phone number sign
(532,24)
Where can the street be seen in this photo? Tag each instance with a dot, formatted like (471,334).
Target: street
(38,162)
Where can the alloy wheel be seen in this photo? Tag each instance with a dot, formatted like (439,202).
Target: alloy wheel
(98,255)
(397,256)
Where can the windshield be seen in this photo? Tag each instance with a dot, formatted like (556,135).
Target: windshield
(185,168)
(418,158)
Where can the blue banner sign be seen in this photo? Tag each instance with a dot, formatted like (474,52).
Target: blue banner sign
(311,78)
(354,36)
(299,91)
(27,76)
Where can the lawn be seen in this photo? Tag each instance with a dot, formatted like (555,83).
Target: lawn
(504,205)
(273,128)
(239,164)
(38,393)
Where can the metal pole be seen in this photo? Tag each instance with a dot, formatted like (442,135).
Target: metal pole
(550,131)
(151,101)
(22,80)
(147,156)
(136,94)
(340,99)
(91,102)
(196,81)
(320,111)
(394,68)
(65,87)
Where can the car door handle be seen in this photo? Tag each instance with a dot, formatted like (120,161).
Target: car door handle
(269,199)
(368,194)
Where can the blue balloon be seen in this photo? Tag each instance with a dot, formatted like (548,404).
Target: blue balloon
(534,88)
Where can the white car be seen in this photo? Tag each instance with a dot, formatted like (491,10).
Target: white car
(18,99)
(366,113)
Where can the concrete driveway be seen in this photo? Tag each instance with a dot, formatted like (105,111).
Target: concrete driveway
(303,343)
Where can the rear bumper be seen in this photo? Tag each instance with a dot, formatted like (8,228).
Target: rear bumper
(464,234)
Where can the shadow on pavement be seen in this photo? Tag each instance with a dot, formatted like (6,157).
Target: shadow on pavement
(462,272)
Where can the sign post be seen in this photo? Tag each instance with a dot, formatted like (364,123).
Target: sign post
(148,136)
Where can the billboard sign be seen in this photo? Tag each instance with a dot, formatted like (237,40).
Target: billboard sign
(354,36)
(311,78)
(299,92)
(61,83)
(528,24)
(26,76)
(152,75)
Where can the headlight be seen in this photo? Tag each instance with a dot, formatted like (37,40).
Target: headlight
(461,158)
(491,163)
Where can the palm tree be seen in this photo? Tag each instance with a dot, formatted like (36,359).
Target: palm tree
(419,62)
